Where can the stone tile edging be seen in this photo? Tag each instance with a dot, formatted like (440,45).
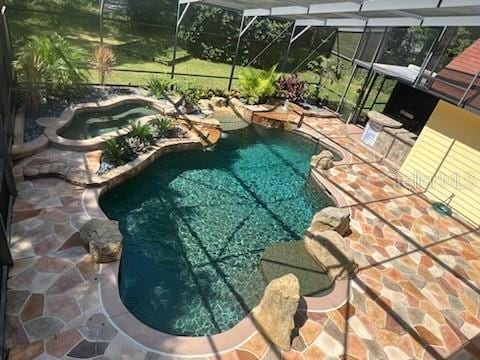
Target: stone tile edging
(54,125)
(173,345)
(26,149)
(116,175)
(195,346)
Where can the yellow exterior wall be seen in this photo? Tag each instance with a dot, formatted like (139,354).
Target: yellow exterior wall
(446,159)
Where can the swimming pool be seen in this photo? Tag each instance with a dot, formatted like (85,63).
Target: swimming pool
(88,124)
(195,225)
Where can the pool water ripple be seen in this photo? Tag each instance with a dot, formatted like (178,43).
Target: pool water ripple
(196,223)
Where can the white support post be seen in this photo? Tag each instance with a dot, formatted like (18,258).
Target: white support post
(324,41)
(102,6)
(307,24)
(429,55)
(180,15)
(304,30)
(243,29)
(269,45)
(285,57)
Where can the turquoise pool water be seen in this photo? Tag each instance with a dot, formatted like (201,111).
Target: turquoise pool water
(196,223)
(89,124)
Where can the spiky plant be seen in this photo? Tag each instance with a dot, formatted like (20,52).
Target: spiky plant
(137,145)
(258,85)
(48,63)
(190,95)
(162,126)
(103,60)
(143,132)
(160,87)
(117,151)
(30,72)
(68,63)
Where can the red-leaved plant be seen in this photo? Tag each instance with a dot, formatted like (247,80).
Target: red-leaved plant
(292,88)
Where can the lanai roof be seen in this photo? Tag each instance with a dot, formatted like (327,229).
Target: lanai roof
(360,12)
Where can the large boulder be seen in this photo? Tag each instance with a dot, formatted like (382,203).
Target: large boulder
(323,160)
(205,105)
(329,250)
(274,317)
(218,101)
(291,257)
(332,218)
(103,240)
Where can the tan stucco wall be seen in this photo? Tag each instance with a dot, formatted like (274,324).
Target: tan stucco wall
(446,159)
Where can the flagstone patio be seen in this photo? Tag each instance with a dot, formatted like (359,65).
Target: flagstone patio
(416,296)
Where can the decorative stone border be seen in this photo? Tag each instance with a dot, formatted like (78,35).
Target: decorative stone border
(54,125)
(246,111)
(116,175)
(122,173)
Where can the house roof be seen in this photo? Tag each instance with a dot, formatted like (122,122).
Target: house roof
(457,76)
(468,62)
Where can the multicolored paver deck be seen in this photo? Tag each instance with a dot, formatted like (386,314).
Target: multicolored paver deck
(416,296)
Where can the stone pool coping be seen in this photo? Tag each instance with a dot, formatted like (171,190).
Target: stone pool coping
(211,345)
(26,149)
(53,125)
(111,302)
(318,338)
(169,344)
(194,346)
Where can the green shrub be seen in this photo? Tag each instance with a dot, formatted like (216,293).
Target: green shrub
(190,94)
(160,87)
(50,63)
(117,152)
(162,126)
(143,132)
(258,85)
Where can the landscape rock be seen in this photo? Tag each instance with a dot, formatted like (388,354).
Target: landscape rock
(274,316)
(58,168)
(205,105)
(31,171)
(332,218)
(218,101)
(329,250)
(384,120)
(323,160)
(103,240)
(45,169)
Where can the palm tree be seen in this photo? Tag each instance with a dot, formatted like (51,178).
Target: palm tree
(103,61)
(48,63)
(30,70)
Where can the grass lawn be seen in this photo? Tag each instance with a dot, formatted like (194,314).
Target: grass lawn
(141,49)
